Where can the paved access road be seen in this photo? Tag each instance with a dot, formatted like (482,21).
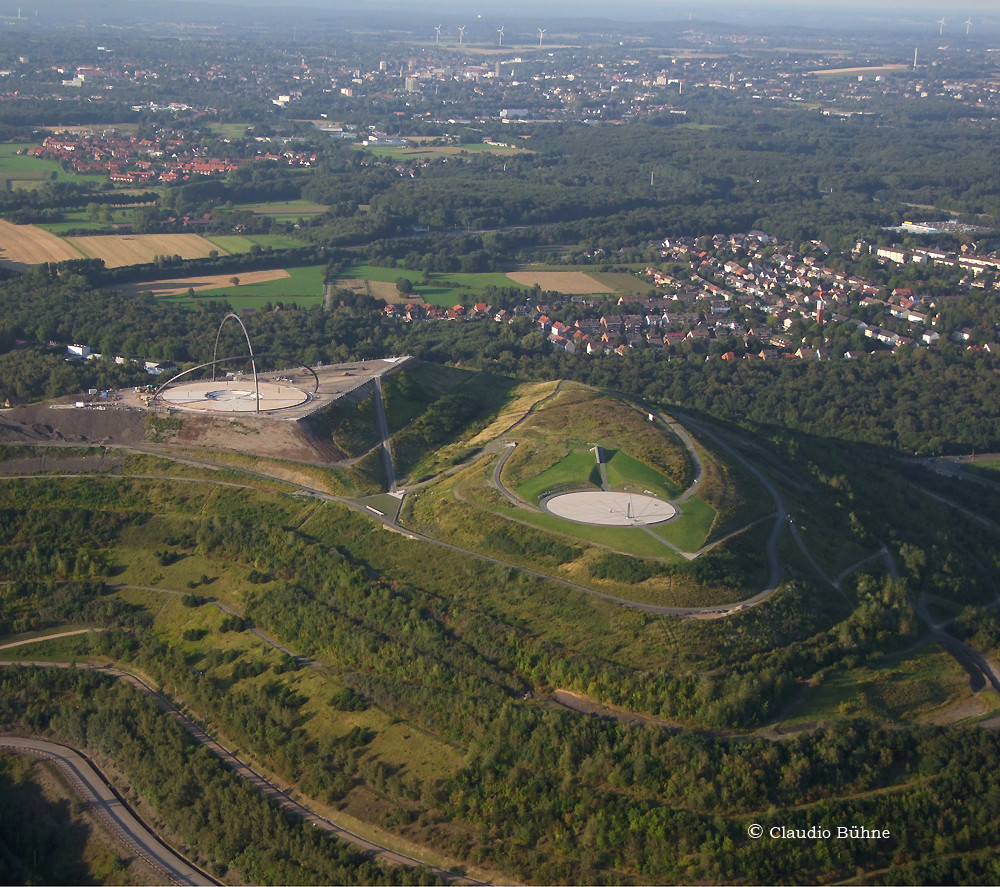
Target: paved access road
(94,789)
(382,853)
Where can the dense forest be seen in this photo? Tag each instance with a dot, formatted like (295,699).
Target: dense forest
(220,817)
(548,794)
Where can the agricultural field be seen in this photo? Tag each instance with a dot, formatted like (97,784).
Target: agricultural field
(624,283)
(422,152)
(569,283)
(443,289)
(378,289)
(174,286)
(237,244)
(118,250)
(24,245)
(288,210)
(303,285)
(74,220)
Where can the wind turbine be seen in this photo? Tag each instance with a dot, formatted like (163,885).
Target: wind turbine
(941,28)
(437,33)
(968,24)
(500,32)
(461,34)
(541,32)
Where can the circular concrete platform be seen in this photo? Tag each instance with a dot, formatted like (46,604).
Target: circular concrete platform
(610,508)
(226,396)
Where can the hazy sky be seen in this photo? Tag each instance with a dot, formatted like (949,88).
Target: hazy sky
(649,8)
(829,12)
(914,19)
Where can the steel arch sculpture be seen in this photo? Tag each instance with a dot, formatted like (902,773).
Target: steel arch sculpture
(212,364)
(253,362)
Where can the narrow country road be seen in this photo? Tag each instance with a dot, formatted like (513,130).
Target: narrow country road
(96,792)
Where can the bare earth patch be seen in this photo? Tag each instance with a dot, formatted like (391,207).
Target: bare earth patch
(379,289)
(570,283)
(138,249)
(176,285)
(24,245)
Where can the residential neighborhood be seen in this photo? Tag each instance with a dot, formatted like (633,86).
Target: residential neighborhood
(750,296)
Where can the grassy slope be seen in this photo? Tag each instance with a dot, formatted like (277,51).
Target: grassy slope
(559,433)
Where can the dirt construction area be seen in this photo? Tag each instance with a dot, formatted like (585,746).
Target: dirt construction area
(293,432)
(24,245)
(63,424)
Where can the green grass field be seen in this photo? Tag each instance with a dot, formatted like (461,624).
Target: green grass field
(688,530)
(230,130)
(67,649)
(576,471)
(15,167)
(626,473)
(986,470)
(444,289)
(420,152)
(79,219)
(288,209)
(628,540)
(304,286)
(579,470)
(241,243)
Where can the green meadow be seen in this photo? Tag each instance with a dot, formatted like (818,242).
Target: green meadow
(304,286)
(444,289)
(22,171)
(235,244)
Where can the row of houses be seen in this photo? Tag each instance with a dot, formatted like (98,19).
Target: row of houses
(131,160)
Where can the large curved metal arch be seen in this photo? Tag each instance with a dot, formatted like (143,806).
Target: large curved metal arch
(212,363)
(253,362)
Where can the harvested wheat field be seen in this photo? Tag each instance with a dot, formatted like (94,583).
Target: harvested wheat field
(569,283)
(140,249)
(24,245)
(175,286)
